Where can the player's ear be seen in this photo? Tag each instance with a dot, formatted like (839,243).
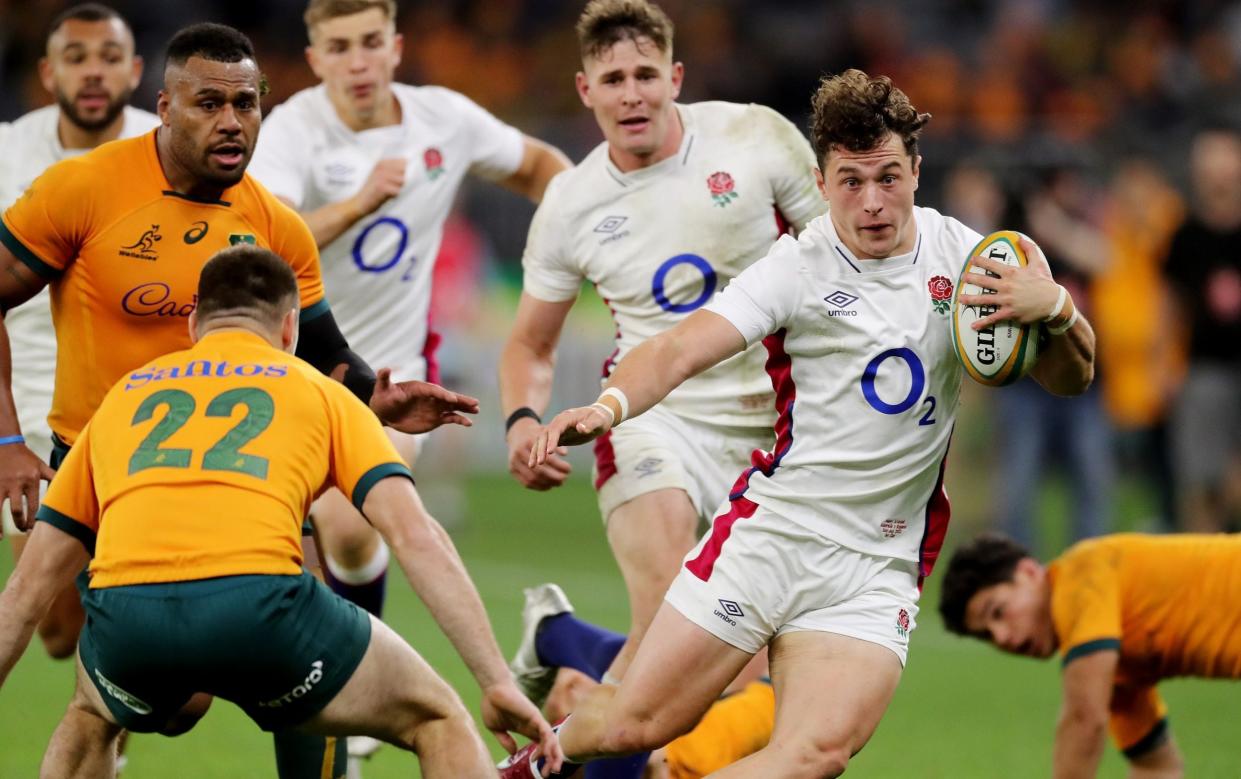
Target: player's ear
(46,77)
(289,330)
(583,88)
(916,168)
(678,77)
(193,325)
(161,106)
(821,183)
(398,46)
(136,77)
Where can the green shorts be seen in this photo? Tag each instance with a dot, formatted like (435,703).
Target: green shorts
(280,647)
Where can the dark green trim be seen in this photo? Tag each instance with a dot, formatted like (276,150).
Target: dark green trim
(315,311)
(1090,647)
(373,476)
(69,525)
(28,258)
(206,201)
(1150,742)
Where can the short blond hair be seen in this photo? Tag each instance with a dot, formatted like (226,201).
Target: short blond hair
(322,10)
(605,23)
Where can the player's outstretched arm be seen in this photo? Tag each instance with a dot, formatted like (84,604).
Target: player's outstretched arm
(328,222)
(1081,731)
(1029,295)
(646,375)
(540,162)
(20,468)
(430,561)
(527,365)
(52,559)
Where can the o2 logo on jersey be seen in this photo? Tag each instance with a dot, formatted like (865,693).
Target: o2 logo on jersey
(384,224)
(917,375)
(661,275)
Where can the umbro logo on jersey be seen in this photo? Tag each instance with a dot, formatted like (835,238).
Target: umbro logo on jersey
(649,467)
(610,227)
(196,233)
(840,302)
(339,174)
(144,247)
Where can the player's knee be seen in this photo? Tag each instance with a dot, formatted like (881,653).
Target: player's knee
(819,759)
(188,715)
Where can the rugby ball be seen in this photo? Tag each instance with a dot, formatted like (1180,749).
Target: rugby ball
(1005,351)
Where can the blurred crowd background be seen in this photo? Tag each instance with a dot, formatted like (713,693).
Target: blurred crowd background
(1106,130)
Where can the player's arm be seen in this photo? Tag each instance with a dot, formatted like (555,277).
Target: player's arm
(52,559)
(1081,731)
(540,162)
(20,468)
(527,365)
(328,222)
(430,561)
(646,375)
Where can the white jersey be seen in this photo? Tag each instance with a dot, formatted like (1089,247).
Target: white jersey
(378,272)
(867,384)
(31,145)
(658,242)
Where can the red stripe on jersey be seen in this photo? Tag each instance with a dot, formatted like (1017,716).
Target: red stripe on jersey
(605,459)
(429,348)
(780,369)
(782,224)
(938,512)
(610,362)
(721,528)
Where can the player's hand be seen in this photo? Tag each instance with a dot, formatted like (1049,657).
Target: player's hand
(384,183)
(1023,294)
(417,406)
(507,711)
(552,473)
(569,428)
(21,470)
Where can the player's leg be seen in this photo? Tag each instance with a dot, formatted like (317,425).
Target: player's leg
(831,691)
(393,695)
(84,744)
(59,628)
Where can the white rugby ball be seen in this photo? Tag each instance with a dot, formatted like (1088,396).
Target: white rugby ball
(1005,351)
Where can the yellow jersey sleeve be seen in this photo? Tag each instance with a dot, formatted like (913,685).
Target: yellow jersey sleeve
(1085,601)
(71,503)
(735,727)
(1138,718)
(48,225)
(293,241)
(361,453)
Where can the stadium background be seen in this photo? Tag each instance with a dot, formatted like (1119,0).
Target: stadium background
(1028,93)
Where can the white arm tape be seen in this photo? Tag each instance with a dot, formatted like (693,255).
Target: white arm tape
(608,409)
(621,398)
(1060,330)
(1055,310)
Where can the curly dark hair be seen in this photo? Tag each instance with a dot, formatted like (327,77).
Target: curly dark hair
(989,559)
(856,112)
(605,23)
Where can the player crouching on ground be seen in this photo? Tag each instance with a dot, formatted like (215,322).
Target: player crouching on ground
(1124,612)
(199,527)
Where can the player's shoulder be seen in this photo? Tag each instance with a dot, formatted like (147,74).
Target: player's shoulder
(435,105)
(581,187)
(39,124)
(946,234)
(129,160)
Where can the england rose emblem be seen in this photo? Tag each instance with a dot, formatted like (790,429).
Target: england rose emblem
(721,185)
(434,162)
(902,622)
(941,293)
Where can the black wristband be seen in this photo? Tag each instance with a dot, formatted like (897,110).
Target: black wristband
(521,413)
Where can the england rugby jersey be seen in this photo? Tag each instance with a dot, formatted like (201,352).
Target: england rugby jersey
(658,242)
(860,355)
(378,272)
(31,145)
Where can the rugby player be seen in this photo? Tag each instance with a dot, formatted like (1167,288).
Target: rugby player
(186,493)
(91,70)
(1123,612)
(824,541)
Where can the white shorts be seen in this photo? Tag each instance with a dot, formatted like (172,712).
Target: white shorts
(758,575)
(661,450)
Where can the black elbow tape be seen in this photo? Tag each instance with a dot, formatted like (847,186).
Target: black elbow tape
(323,345)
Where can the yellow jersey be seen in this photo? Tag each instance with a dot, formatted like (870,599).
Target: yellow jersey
(735,726)
(121,252)
(1171,605)
(204,462)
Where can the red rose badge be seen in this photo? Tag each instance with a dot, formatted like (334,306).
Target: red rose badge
(902,622)
(434,162)
(941,293)
(721,185)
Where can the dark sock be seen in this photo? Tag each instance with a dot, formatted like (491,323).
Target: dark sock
(305,756)
(618,767)
(564,641)
(369,596)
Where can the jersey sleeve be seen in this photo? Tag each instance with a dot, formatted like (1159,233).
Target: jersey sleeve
(792,168)
(496,148)
(71,503)
(361,454)
(759,301)
(279,162)
(292,240)
(1138,718)
(548,271)
(1085,601)
(50,222)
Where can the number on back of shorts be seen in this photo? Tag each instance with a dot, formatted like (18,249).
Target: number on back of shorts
(149,454)
(225,455)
